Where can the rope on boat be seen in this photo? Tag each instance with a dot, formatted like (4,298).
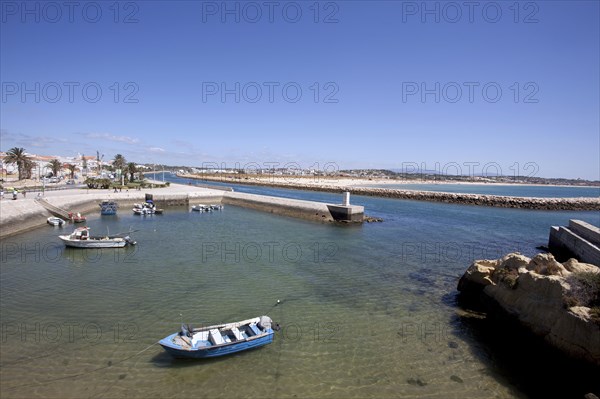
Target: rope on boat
(82,373)
(275,325)
(280,351)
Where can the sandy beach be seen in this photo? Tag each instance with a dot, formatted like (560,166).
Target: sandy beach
(338,181)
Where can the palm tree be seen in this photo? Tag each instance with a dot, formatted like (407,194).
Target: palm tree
(28,166)
(72,168)
(17,155)
(99,161)
(56,166)
(119,162)
(132,170)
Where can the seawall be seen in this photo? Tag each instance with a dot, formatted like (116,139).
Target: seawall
(280,206)
(573,204)
(26,213)
(580,240)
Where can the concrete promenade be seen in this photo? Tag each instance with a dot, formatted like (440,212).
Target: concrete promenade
(23,214)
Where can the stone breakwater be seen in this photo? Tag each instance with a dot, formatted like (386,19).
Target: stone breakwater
(571,204)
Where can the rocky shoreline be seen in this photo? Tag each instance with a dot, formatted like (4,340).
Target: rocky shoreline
(571,204)
(555,301)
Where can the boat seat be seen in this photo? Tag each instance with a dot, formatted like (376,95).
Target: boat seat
(254,329)
(216,337)
(238,335)
(198,337)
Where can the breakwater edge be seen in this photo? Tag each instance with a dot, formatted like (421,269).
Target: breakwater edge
(501,201)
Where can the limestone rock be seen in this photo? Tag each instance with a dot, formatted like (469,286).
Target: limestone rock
(545,264)
(477,275)
(513,261)
(574,266)
(581,311)
(533,291)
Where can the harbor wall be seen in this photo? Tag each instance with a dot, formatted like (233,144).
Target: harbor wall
(280,206)
(573,204)
(579,240)
(25,214)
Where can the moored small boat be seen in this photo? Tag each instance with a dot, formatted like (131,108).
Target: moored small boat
(143,210)
(200,208)
(55,221)
(76,218)
(108,207)
(219,340)
(147,208)
(80,238)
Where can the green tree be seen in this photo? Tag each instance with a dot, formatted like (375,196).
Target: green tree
(72,169)
(17,156)
(28,166)
(119,162)
(132,170)
(55,166)
(99,161)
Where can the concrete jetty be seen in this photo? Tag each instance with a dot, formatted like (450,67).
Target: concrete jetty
(20,215)
(579,240)
(296,208)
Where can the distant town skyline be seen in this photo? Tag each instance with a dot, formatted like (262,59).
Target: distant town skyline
(470,169)
(507,88)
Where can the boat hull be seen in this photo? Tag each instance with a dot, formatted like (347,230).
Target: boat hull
(108,208)
(214,351)
(119,243)
(54,221)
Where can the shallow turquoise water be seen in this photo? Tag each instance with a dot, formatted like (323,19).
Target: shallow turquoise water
(367,311)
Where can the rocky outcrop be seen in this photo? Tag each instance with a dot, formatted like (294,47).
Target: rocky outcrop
(540,294)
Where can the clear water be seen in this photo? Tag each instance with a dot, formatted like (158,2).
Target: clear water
(512,190)
(367,311)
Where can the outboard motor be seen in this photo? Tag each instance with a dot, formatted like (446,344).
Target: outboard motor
(265,322)
(186,330)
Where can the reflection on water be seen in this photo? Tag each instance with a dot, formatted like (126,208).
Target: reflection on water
(366,311)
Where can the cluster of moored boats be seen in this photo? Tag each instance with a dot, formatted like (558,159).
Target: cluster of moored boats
(147,208)
(207,208)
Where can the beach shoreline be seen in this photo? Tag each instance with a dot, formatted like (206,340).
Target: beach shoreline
(357,182)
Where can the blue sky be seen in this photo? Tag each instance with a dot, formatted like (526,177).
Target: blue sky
(357,84)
